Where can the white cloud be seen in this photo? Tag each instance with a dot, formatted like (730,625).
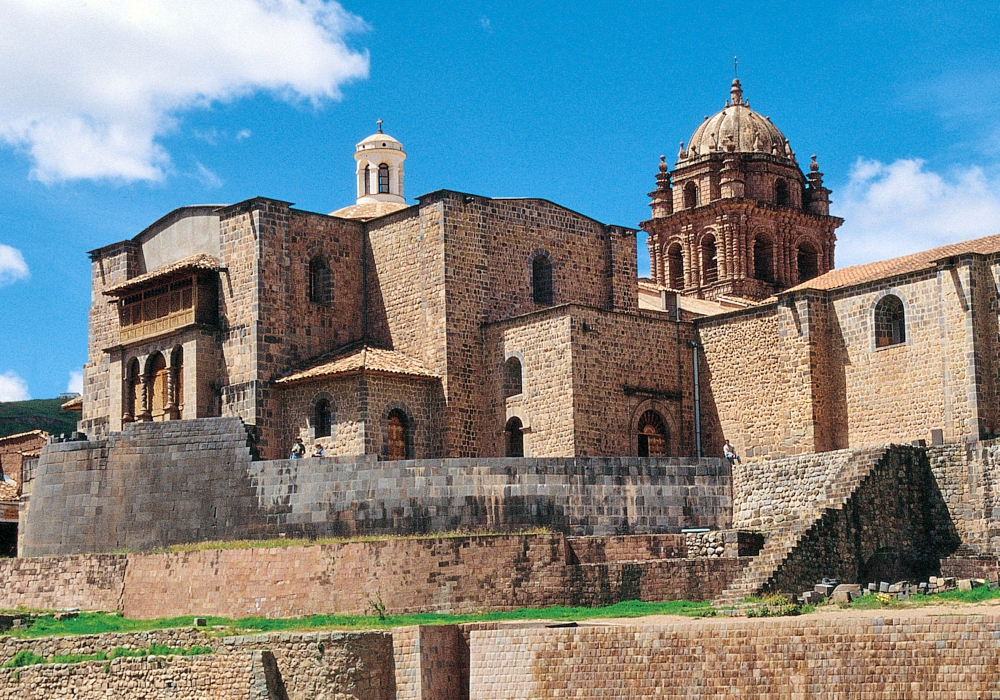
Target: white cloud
(89,86)
(903,207)
(13,388)
(12,265)
(75,385)
(243,134)
(207,178)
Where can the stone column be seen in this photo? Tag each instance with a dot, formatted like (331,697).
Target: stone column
(171,407)
(147,398)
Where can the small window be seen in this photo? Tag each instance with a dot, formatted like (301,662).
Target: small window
(383,179)
(514,438)
(709,261)
(512,377)
(890,322)
(321,419)
(690,195)
(541,279)
(319,281)
(781,192)
(397,436)
(675,266)
(652,435)
(368,179)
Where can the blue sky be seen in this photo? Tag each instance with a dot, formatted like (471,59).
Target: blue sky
(123,110)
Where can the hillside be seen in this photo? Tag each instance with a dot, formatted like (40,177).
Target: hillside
(38,414)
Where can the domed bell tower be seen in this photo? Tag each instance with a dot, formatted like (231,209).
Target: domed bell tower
(737,217)
(380,169)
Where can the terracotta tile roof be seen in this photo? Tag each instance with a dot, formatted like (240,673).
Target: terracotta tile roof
(369,210)
(870,272)
(31,433)
(357,360)
(195,262)
(74,404)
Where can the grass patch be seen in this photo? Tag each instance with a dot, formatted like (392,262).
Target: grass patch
(30,658)
(878,601)
(100,623)
(303,541)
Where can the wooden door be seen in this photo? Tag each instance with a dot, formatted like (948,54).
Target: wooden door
(397,437)
(158,388)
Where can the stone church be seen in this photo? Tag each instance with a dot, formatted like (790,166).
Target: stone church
(470,326)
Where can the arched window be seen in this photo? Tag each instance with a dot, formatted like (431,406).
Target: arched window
(319,281)
(541,279)
(808,261)
(512,377)
(763,260)
(156,368)
(383,179)
(781,192)
(675,266)
(397,432)
(368,179)
(514,438)
(321,419)
(132,404)
(652,439)
(709,261)
(690,195)
(890,322)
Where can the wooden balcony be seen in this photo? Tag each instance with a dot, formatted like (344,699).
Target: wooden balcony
(168,307)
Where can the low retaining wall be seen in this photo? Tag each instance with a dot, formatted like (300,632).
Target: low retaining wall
(287,666)
(447,574)
(954,657)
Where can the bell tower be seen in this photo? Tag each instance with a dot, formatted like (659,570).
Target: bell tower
(737,217)
(380,169)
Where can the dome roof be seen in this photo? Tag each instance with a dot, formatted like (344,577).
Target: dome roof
(379,140)
(737,128)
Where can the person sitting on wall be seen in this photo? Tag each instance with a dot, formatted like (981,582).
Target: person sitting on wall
(318,451)
(730,453)
(298,449)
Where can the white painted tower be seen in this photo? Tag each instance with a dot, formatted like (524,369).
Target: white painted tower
(380,169)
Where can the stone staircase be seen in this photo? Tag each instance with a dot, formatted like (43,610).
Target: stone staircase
(784,538)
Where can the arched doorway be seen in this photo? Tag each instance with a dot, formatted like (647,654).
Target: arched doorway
(514,438)
(157,379)
(651,435)
(397,436)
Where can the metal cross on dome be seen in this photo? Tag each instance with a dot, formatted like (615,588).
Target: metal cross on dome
(379,122)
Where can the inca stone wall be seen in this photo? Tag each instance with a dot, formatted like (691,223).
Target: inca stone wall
(151,485)
(895,526)
(156,484)
(453,574)
(823,658)
(595,496)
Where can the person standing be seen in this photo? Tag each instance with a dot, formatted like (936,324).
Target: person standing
(298,449)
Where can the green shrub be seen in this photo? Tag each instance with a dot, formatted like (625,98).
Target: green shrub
(25,657)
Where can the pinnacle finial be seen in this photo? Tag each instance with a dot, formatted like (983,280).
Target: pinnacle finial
(814,166)
(737,92)
(379,122)
(663,164)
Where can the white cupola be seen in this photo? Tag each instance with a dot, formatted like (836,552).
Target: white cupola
(380,169)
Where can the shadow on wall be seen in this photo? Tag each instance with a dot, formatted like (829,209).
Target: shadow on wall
(895,526)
